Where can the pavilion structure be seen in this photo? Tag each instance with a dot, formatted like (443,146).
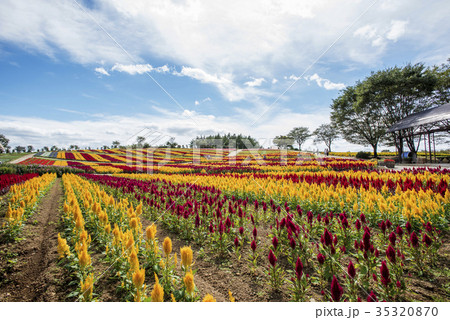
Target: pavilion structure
(426,123)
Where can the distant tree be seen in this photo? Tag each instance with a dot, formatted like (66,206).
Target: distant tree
(140,141)
(3,143)
(326,133)
(115,144)
(74,147)
(357,125)
(229,140)
(54,148)
(283,142)
(300,135)
(171,143)
(46,149)
(30,148)
(146,145)
(19,149)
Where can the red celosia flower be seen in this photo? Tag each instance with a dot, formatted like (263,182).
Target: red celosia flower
(292,243)
(321,258)
(299,268)
(390,254)
(382,226)
(272,258)
(374,276)
(408,227)
(376,253)
(428,227)
(253,245)
(372,297)
(388,223)
(336,290)
(414,240)
(426,239)
(366,240)
(255,233)
(399,285)
(399,231)
(384,273)
(275,242)
(363,218)
(241,230)
(358,224)
(236,242)
(351,270)
(327,237)
(392,238)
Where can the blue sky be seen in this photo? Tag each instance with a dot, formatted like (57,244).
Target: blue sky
(90,72)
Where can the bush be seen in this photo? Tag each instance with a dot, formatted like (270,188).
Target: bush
(363,155)
(19,169)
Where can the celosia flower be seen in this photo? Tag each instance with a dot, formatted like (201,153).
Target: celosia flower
(84,258)
(388,224)
(253,245)
(157,293)
(390,254)
(321,258)
(414,240)
(292,243)
(383,227)
(363,218)
(399,285)
(336,290)
(426,239)
(87,287)
(133,259)
(372,297)
(209,298)
(327,237)
(275,242)
(232,299)
(384,273)
(236,242)
(241,230)
(272,258)
(392,238)
(299,268)
(255,232)
(189,282)
(167,246)
(399,231)
(139,278)
(366,240)
(351,270)
(186,256)
(151,232)
(408,227)
(358,224)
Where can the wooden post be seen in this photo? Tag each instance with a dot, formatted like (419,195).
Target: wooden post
(429,146)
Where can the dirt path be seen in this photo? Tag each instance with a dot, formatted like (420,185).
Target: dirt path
(35,275)
(21,159)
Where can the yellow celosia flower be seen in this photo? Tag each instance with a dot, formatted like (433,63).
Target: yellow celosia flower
(139,278)
(186,256)
(157,293)
(189,282)
(151,232)
(173,297)
(63,248)
(84,258)
(87,287)
(167,246)
(232,299)
(134,223)
(133,259)
(209,298)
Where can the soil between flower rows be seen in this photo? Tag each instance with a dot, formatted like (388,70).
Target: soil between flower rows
(29,269)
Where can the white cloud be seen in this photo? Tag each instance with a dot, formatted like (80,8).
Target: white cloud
(102,70)
(325,83)
(274,80)
(139,68)
(256,82)
(398,29)
(367,31)
(196,102)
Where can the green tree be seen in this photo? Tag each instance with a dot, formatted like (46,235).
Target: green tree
(3,143)
(396,93)
(357,125)
(115,144)
(140,141)
(283,142)
(326,133)
(30,148)
(300,135)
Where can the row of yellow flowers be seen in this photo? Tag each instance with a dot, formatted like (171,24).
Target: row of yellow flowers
(132,250)
(398,206)
(23,199)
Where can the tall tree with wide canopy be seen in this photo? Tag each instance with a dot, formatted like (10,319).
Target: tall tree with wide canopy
(357,125)
(395,93)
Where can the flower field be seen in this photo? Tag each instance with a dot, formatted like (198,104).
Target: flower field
(261,226)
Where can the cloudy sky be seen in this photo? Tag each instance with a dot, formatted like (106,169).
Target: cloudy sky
(88,72)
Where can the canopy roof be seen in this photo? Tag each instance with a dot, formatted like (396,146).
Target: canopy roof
(429,116)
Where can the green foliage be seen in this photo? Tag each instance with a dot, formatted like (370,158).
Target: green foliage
(283,141)
(19,169)
(363,155)
(225,141)
(300,135)
(326,133)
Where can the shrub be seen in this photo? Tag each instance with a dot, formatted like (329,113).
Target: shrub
(363,155)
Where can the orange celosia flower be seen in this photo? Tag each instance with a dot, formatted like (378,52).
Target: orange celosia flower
(209,298)
(167,246)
